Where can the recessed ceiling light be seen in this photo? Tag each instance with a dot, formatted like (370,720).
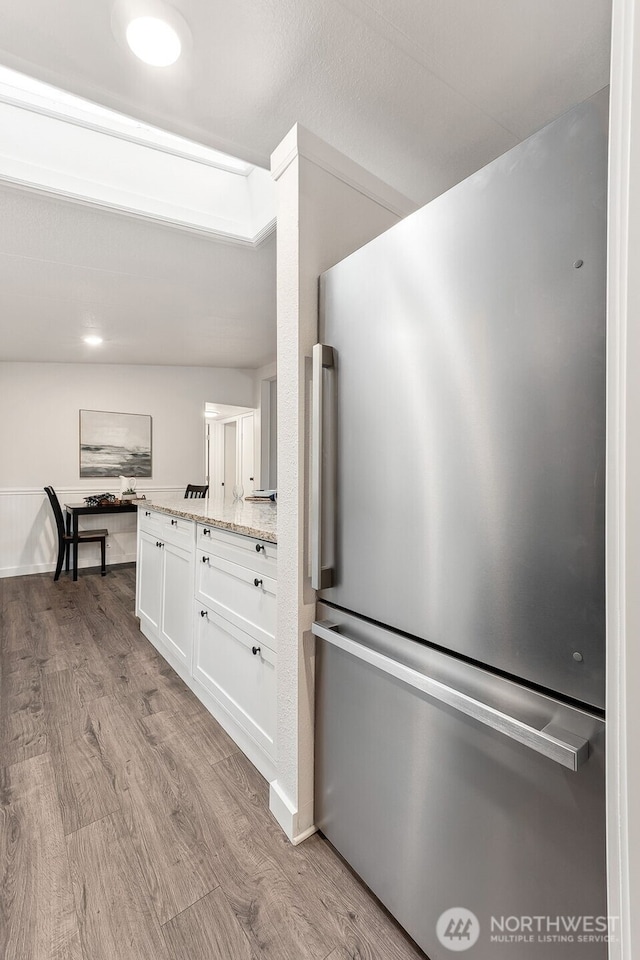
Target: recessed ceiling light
(93,341)
(154,41)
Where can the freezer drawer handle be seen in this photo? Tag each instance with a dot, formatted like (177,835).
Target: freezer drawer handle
(323,358)
(553,742)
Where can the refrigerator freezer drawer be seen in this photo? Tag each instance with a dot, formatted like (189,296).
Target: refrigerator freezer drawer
(436,809)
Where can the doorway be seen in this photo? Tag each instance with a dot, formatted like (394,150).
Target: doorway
(230,446)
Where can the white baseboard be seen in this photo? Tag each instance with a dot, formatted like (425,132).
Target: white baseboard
(290,819)
(28,569)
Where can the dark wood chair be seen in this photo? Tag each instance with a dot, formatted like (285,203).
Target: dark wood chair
(66,540)
(195,492)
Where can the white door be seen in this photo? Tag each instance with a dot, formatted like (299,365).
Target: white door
(230,456)
(177,601)
(246,453)
(150,579)
(215,477)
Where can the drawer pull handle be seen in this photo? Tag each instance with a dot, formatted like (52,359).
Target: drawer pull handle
(203,613)
(259,547)
(174,523)
(255,651)
(257,583)
(205,559)
(147,513)
(157,543)
(206,532)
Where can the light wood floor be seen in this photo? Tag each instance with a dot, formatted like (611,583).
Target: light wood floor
(132,827)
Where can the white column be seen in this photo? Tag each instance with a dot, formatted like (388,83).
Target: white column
(328,206)
(623,485)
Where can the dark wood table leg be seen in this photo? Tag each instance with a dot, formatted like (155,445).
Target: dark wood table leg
(75,546)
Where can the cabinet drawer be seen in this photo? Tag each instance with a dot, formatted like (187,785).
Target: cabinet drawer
(244,682)
(149,521)
(258,555)
(247,598)
(177,530)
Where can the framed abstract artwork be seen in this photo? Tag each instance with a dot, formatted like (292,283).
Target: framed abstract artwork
(114,444)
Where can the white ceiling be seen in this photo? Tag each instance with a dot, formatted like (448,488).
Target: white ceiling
(158,295)
(420,92)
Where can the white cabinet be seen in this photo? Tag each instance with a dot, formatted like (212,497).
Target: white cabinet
(206,599)
(234,655)
(166,548)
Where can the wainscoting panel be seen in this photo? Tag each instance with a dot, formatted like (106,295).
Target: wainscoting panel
(28,539)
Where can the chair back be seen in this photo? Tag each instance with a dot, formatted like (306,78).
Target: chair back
(195,492)
(57,510)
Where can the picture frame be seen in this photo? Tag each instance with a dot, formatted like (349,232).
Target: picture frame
(114,444)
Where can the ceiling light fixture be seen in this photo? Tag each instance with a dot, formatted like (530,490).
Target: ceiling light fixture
(212,413)
(154,41)
(92,340)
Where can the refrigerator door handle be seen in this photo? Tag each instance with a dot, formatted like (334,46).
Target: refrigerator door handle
(560,745)
(323,357)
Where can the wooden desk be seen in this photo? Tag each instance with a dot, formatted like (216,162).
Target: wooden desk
(76,510)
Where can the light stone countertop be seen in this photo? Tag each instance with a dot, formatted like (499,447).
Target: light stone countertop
(250,518)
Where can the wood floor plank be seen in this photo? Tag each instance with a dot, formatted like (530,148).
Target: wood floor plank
(39,919)
(275,919)
(38,592)
(116,920)
(151,686)
(61,700)
(17,626)
(22,723)
(358,913)
(84,777)
(118,590)
(112,637)
(229,832)
(177,863)
(49,646)
(67,643)
(342,953)
(213,743)
(209,930)
(206,736)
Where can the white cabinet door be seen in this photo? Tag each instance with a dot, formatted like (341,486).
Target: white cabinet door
(177,602)
(150,561)
(239,673)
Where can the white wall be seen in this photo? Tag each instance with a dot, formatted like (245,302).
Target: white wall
(623,484)
(328,206)
(39,404)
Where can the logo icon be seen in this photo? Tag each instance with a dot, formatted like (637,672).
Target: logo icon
(457,929)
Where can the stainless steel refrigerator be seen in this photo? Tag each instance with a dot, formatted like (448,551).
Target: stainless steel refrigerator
(458,545)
